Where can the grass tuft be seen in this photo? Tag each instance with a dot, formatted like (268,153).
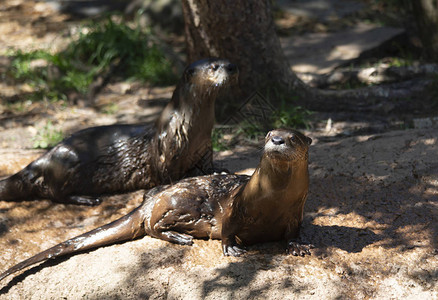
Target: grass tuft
(47,137)
(280,111)
(102,47)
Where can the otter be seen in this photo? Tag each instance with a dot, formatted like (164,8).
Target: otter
(121,158)
(238,209)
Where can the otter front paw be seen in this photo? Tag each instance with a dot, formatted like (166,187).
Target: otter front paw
(298,249)
(178,238)
(83,200)
(232,250)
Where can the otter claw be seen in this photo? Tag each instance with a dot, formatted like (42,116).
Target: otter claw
(233,250)
(216,171)
(184,239)
(297,249)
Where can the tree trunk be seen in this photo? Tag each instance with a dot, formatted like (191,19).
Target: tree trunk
(243,32)
(426,16)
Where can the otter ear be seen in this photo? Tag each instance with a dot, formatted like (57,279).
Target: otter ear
(309,140)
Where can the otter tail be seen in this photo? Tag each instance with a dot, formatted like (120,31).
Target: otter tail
(127,227)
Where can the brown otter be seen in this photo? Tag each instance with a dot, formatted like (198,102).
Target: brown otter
(240,210)
(120,158)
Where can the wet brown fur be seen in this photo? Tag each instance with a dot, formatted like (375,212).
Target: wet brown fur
(238,209)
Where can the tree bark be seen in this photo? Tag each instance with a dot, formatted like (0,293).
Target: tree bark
(426,16)
(244,32)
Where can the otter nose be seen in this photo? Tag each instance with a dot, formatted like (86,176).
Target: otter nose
(232,68)
(277,140)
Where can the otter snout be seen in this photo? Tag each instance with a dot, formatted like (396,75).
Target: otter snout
(222,71)
(225,65)
(213,72)
(277,140)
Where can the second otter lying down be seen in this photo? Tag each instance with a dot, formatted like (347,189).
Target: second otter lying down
(120,158)
(238,209)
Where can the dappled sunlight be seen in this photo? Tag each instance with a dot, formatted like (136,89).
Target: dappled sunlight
(429,142)
(390,196)
(322,52)
(372,207)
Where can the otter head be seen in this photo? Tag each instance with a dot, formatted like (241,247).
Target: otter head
(282,174)
(285,147)
(210,73)
(198,88)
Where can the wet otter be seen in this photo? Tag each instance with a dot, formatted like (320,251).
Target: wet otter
(238,209)
(120,158)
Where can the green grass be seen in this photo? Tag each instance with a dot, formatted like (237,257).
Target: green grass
(110,109)
(251,130)
(286,114)
(47,137)
(104,46)
(217,140)
(291,116)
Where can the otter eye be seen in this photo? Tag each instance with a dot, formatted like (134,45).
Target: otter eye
(268,135)
(214,67)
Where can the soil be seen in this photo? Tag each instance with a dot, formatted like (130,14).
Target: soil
(372,211)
